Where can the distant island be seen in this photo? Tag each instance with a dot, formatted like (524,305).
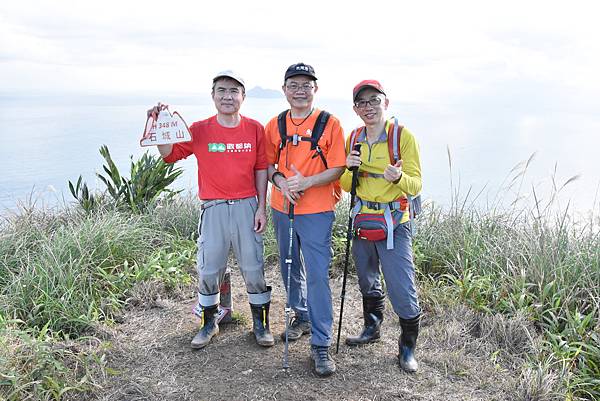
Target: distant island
(260,92)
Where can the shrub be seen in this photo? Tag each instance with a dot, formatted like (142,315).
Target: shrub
(149,178)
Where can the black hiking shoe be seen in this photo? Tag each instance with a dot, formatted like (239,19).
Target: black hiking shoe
(322,361)
(297,329)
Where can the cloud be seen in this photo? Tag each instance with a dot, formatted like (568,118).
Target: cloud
(422,51)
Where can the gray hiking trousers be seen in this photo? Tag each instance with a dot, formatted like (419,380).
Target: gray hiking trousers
(223,224)
(372,258)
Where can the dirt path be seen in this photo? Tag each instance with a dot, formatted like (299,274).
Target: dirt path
(152,355)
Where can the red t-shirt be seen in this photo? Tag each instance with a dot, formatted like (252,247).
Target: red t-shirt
(227,157)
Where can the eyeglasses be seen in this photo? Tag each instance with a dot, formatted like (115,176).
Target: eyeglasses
(294,87)
(361,104)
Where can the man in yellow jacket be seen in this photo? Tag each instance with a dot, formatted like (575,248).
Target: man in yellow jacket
(381,218)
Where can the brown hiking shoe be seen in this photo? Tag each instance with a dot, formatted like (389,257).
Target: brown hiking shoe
(297,329)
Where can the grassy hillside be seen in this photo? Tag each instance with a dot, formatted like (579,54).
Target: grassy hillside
(66,274)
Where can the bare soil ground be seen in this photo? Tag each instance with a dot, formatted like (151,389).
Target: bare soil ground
(460,354)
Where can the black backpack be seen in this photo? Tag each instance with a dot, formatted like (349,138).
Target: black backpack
(317,132)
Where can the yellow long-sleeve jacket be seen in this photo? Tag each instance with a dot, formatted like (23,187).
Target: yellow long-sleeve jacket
(375,158)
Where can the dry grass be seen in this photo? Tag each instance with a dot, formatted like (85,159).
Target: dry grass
(463,356)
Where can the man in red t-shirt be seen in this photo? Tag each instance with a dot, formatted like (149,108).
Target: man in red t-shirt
(232,180)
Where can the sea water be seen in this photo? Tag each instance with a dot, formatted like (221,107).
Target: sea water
(465,148)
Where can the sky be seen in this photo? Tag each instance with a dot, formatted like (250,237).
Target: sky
(421,51)
(472,68)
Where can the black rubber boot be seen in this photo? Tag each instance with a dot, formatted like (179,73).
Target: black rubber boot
(260,321)
(373,314)
(209,327)
(407,344)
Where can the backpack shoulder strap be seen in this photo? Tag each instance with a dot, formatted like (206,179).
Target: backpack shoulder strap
(394,142)
(354,137)
(281,126)
(395,155)
(316,134)
(318,129)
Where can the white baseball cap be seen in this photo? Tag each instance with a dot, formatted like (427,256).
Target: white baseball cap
(230,74)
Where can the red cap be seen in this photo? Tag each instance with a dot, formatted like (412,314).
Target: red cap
(367,83)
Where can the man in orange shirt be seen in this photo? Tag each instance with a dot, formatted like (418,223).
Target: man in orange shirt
(305,174)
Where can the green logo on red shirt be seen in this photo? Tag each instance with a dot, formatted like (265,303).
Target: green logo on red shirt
(230,147)
(216,147)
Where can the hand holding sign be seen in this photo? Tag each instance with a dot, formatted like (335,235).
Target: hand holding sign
(164,128)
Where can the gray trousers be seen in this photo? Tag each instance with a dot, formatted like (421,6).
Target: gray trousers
(222,225)
(398,271)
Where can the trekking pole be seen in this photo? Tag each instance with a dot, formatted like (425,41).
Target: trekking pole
(288,309)
(348,240)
